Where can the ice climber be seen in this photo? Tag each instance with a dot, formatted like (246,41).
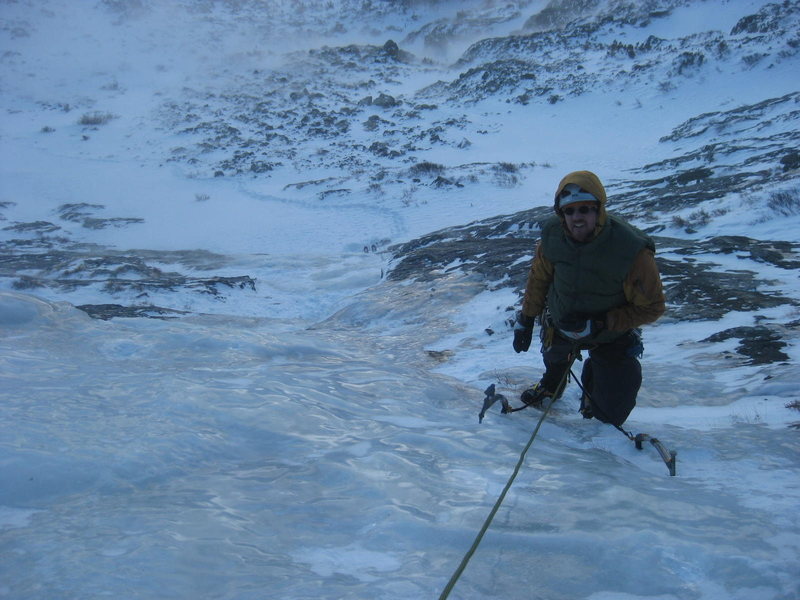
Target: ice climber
(593,282)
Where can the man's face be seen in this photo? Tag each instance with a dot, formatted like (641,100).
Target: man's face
(581,219)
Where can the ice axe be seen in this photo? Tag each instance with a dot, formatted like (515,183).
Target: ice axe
(490,399)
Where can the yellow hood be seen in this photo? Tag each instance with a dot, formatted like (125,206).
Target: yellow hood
(591,183)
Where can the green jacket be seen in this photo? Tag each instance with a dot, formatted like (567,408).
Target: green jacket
(607,274)
(588,277)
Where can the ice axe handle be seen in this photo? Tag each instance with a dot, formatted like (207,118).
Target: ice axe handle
(668,456)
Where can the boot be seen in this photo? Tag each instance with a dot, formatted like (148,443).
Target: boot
(586,407)
(536,395)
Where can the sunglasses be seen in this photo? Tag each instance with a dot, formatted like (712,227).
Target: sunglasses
(570,210)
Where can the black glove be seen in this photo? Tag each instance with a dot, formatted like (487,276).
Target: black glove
(580,327)
(523,333)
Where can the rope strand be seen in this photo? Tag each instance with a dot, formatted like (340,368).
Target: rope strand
(464,561)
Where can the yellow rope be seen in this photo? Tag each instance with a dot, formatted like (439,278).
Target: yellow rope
(464,561)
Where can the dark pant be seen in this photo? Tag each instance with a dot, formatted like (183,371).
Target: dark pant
(611,375)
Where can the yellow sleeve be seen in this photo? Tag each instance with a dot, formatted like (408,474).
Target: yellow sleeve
(539,279)
(644,293)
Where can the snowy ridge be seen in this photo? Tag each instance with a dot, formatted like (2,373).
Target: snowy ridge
(259,260)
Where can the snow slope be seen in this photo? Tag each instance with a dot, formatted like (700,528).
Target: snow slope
(305,427)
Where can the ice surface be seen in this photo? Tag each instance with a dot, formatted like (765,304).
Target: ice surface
(215,457)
